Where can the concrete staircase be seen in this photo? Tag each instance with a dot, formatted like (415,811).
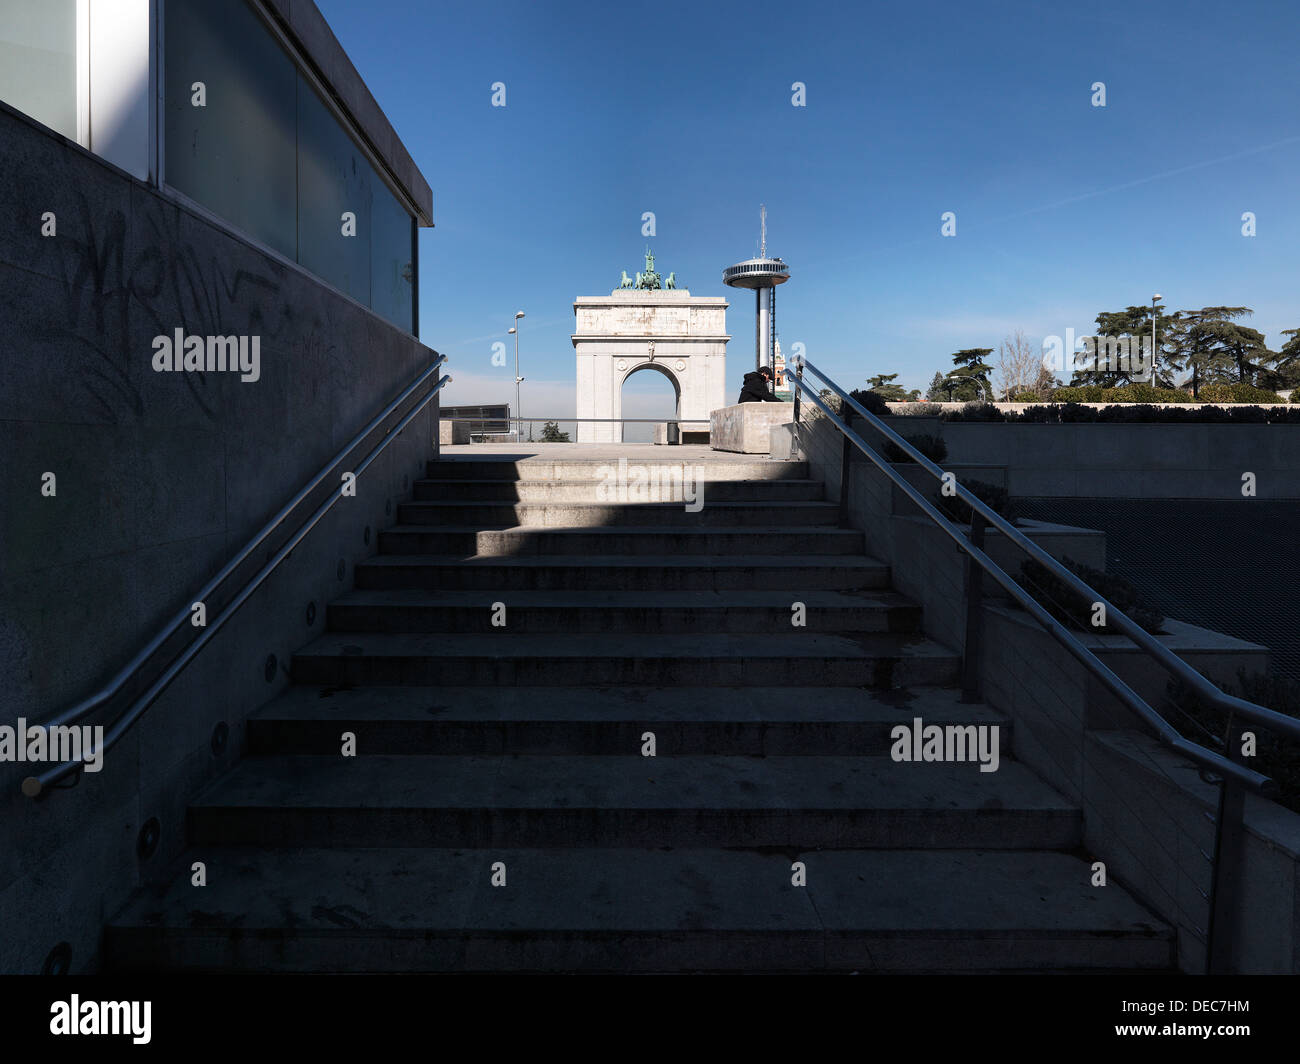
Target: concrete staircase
(518,748)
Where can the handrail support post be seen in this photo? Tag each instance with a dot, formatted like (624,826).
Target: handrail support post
(846,461)
(794,426)
(970,661)
(1229,840)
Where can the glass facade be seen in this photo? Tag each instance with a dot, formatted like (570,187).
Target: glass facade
(267,154)
(38,61)
(336,190)
(235,154)
(392,261)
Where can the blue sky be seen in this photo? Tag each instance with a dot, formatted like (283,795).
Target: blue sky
(984,109)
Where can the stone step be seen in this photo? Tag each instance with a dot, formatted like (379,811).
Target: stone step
(600,612)
(798,659)
(395,910)
(732,721)
(441,539)
(592,469)
(798,803)
(630,572)
(602,515)
(595,490)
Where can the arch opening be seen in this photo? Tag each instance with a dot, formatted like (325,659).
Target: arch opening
(656,394)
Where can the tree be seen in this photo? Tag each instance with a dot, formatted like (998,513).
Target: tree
(1019,365)
(1135,322)
(551,433)
(1045,383)
(1286,363)
(1210,343)
(938,390)
(882,384)
(970,379)
(1245,349)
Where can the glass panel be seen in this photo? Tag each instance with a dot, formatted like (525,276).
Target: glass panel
(38,61)
(267,154)
(334,178)
(236,154)
(392,258)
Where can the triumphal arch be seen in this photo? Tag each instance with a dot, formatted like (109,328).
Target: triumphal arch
(648,323)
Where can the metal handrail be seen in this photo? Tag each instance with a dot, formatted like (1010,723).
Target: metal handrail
(602,420)
(1170,661)
(32,786)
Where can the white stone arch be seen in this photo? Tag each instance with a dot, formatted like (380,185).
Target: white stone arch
(681,336)
(658,367)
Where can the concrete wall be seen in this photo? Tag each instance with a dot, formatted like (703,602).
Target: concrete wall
(1121,461)
(1143,805)
(161,477)
(745,428)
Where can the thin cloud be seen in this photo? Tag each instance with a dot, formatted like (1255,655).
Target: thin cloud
(1140,181)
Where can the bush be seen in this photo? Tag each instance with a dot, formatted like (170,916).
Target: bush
(975,412)
(1131,393)
(1133,413)
(1026,397)
(810,411)
(1077,394)
(932,447)
(1145,393)
(993,496)
(1077,412)
(1216,393)
(1275,756)
(870,401)
(920,410)
(1140,413)
(1219,392)
(1071,608)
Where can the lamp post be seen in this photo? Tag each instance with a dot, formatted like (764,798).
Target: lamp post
(1154,300)
(515,329)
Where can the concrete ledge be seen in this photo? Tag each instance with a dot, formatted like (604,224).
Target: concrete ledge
(451,433)
(779,440)
(746,427)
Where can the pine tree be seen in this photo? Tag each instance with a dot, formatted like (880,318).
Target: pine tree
(882,385)
(1286,363)
(1210,343)
(1135,322)
(970,379)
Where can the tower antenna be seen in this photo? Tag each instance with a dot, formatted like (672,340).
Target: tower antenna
(762,213)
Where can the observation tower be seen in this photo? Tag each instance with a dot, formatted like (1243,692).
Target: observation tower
(763,275)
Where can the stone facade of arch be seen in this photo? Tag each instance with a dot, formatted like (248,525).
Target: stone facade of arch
(680,335)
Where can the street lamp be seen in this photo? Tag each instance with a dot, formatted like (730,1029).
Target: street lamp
(518,314)
(1154,300)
